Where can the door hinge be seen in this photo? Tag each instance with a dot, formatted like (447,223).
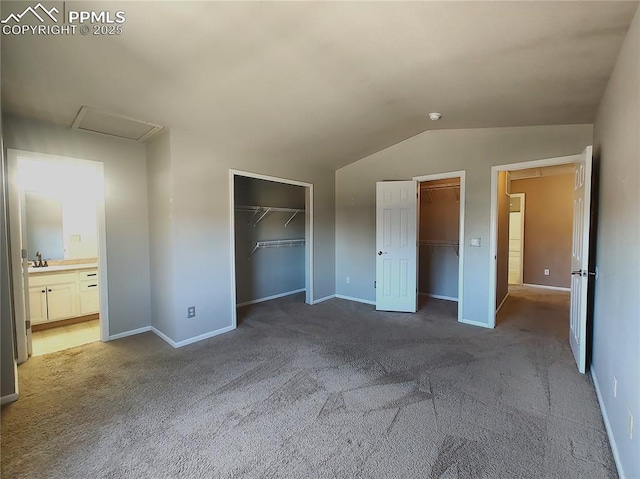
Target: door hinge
(27,324)
(24,254)
(374,284)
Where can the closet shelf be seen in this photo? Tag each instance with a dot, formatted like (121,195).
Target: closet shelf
(442,186)
(441,243)
(284,243)
(262,211)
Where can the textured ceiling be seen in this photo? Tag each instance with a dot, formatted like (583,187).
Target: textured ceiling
(326,83)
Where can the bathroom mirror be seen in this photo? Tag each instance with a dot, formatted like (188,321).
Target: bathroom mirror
(44,226)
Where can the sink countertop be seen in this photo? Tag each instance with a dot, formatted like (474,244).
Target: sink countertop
(64,267)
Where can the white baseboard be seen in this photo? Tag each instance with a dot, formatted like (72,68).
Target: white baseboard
(129,333)
(475,323)
(502,303)
(195,339)
(542,286)
(357,300)
(321,300)
(607,425)
(269,298)
(9,398)
(439,296)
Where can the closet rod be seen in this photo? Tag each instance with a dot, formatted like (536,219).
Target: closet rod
(285,243)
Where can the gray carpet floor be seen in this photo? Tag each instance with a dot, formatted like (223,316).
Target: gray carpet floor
(336,390)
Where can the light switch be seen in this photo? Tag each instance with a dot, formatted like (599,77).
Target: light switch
(475,242)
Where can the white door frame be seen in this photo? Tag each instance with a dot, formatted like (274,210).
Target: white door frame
(15,219)
(493,229)
(308,247)
(522,200)
(453,175)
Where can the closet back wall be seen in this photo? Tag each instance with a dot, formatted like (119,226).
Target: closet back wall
(271,271)
(439,222)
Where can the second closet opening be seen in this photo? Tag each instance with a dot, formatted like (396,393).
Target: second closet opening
(271,229)
(439,233)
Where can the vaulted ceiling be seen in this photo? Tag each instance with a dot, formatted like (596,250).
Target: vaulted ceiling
(323,82)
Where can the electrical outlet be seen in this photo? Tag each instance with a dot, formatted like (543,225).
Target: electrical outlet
(348,280)
(191,312)
(546,272)
(615,387)
(630,425)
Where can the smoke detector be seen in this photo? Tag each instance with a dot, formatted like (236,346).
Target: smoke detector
(435,116)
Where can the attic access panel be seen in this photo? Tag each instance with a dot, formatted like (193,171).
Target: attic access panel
(96,121)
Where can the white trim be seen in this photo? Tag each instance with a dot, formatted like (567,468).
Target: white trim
(493,221)
(475,323)
(129,333)
(439,296)
(269,298)
(9,398)
(357,300)
(502,302)
(195,339)
(607,425)
(326,298)
(542,286)
(461,242)
(308,234)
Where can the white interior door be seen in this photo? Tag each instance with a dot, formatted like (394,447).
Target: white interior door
(396,246)
(580,258)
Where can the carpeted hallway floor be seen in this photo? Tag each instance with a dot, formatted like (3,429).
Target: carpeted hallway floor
(334,390)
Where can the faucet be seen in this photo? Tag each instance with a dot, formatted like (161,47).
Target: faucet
(38,262)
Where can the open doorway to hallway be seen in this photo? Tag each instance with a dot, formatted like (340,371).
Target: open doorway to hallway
(562,226)
(535,242)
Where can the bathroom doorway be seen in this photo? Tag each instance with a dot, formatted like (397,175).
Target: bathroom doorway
(57,240)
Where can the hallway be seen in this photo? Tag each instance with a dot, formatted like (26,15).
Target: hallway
(536,310)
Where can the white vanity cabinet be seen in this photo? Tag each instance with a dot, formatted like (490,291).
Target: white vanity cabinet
(57,296)
(53,297)
(89,295)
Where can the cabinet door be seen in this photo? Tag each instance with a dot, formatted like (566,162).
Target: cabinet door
(62,301)
(89,298)
(38,304)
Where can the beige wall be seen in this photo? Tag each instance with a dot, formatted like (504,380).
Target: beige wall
(616,323)
(548,229)
(502,268)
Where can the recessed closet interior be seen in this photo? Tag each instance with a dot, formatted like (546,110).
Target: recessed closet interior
(438,258)
(269,239)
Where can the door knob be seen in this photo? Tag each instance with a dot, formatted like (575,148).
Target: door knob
(380,253)
(577,272)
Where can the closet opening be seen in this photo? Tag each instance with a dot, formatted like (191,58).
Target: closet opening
(440,229)
(271,236)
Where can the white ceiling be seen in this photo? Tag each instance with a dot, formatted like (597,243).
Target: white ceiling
(327,83)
